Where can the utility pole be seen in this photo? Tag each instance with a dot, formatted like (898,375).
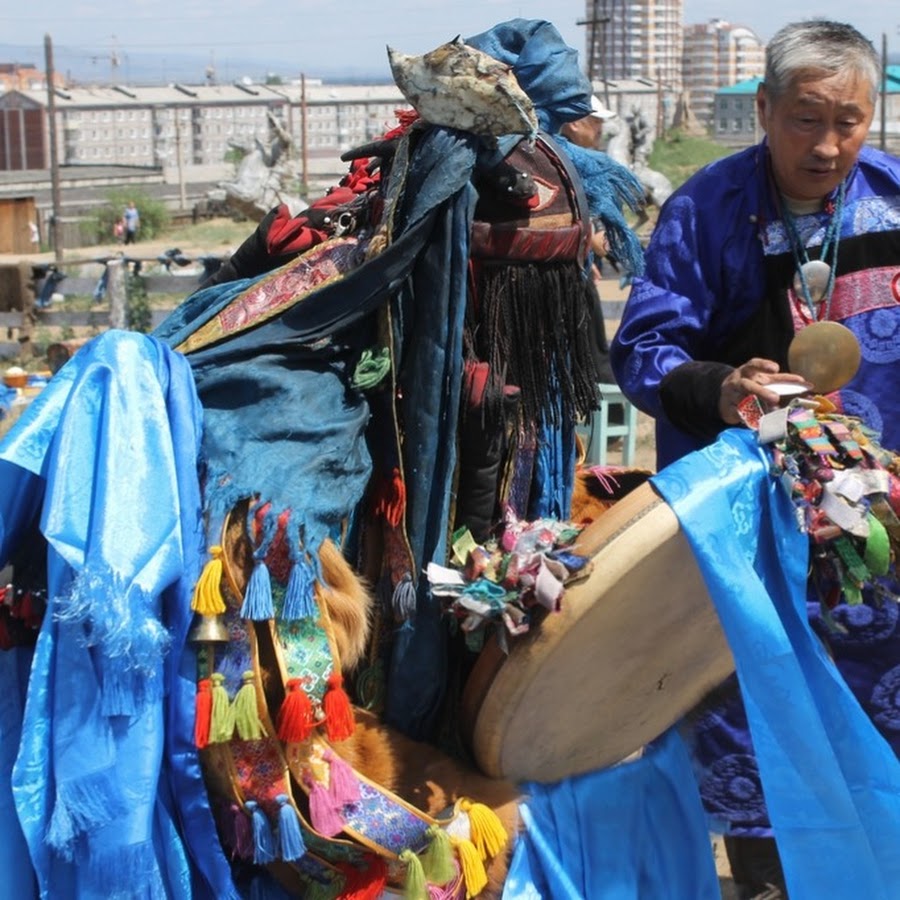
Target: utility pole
(884,97)
(182,199)
(304,138)
(596,22)
(55,200)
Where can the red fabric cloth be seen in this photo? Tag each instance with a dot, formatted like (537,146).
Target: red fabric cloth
(297,234)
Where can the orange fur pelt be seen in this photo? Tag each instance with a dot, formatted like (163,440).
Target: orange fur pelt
(597,489)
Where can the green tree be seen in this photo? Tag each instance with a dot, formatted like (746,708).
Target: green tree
(155,217)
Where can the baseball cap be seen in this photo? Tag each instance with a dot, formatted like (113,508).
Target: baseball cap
(599,111)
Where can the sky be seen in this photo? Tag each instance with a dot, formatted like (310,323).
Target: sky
(324,36)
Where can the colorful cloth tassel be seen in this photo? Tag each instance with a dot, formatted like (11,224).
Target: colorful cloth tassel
(246,711)
(221,723)
(437,860)
(472,866)
(207,600)
(242,845)
(296,718)
(415,886)
(339,722)
(202,713)
(403,600)
(392,500)
(363,883)
(300,596)
(290,838)
(487,831)
(257,603)
(324,817)
(343,785)
(263,839)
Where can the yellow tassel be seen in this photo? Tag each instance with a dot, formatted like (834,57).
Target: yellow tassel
(415,887)
(472,867)
(208,590)
(485,827)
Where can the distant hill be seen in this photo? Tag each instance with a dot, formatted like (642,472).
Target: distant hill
(82,67)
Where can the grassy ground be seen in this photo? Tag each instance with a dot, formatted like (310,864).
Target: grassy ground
(679,155)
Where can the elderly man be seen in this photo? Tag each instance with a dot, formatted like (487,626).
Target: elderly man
(727,285)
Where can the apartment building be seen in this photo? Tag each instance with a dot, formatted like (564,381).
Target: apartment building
(635,39)
(190,129)
(718,54)
(736,125)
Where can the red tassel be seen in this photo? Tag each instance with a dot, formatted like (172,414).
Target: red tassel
(324,817)
(363,884)
(392,502)
(202,713)
(343,785)
(296,718)
(6,639)
(339,722)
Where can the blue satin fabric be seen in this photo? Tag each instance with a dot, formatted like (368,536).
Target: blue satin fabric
(109,450)
(632,832)
(18,876)
(831,782)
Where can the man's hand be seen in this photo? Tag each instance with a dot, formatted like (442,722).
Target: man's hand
(752,378)
(599,243)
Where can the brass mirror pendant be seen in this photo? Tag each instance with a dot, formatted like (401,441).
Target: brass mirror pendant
(826,354)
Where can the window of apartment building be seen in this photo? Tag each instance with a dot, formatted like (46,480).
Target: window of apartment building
(723,124)
(737,124)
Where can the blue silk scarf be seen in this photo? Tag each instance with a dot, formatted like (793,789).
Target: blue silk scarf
(831,782)
(109,453)
(632,832)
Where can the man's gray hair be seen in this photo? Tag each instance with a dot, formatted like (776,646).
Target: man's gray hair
(821,48)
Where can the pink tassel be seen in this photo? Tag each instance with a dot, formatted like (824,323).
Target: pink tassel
(343,785)
(455,890)
(243,834)
(324,817)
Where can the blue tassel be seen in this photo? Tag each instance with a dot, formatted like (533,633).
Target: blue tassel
(263,839)
(404,598)
(257,603)
(300,598)
(292,846)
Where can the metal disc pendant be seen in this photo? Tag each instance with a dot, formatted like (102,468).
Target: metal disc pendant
(826,354)
(815,275)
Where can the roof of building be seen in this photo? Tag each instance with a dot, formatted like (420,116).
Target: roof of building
(121,96)
(749,86)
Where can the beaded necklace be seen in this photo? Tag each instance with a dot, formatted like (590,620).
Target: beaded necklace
(814,279)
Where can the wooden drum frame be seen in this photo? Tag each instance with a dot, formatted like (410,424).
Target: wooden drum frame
(635,646)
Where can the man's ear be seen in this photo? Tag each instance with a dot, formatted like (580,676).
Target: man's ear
(763,105)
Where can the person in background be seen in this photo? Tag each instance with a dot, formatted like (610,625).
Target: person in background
(132,221)
(710,321)
(587,132)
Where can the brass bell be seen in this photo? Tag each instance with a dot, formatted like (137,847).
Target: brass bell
(210,629)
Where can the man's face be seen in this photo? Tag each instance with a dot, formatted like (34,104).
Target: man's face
(585,132)
(815,131)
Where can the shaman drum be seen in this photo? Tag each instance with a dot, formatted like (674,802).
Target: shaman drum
(636,644)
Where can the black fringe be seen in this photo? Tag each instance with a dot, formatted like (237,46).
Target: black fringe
(534,324)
